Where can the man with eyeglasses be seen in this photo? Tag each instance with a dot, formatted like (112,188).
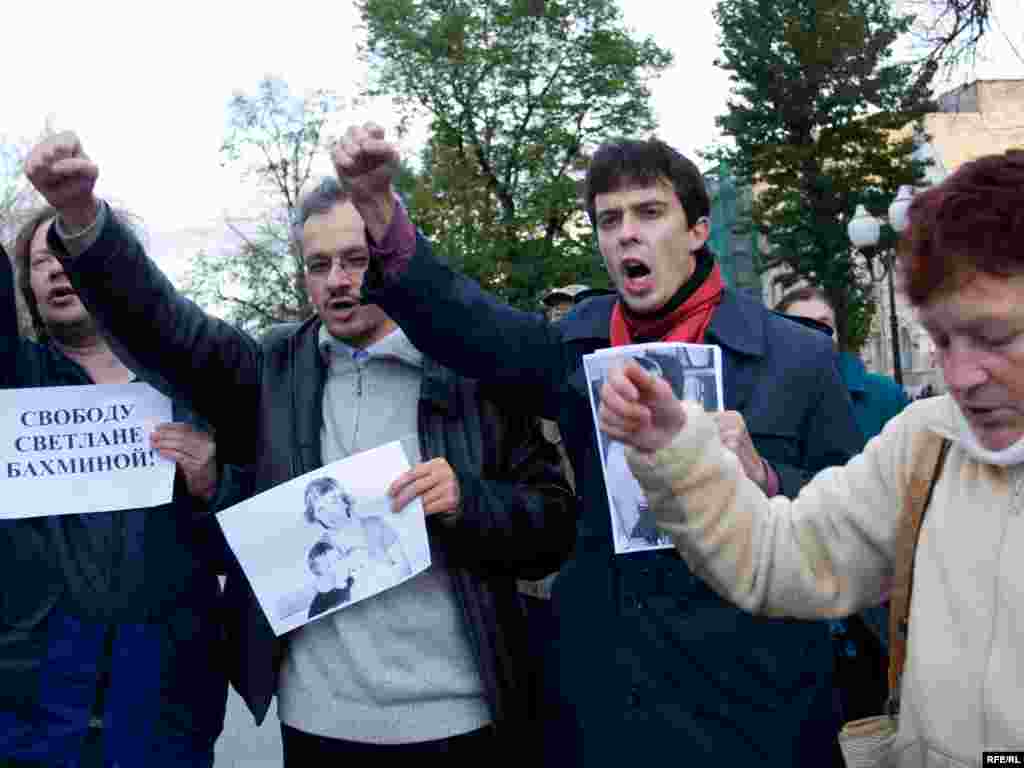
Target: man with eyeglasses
(426,670)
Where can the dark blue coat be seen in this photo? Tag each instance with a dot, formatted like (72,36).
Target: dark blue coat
(652,662)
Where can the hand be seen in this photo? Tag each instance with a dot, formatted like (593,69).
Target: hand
(367,161)
(732,430)
(639,409)
(65,176)
(193,451)
(434,481)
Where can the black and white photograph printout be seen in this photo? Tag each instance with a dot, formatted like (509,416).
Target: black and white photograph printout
(328,539)
(695,373)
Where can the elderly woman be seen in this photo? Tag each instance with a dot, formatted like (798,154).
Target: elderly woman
(830,551)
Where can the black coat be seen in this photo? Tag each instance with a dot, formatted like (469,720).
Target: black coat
(264,400)
(652,662)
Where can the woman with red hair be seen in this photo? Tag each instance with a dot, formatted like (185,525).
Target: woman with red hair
(829,552)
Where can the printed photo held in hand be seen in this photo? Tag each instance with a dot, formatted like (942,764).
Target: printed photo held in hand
(71,450)
(694,371)
(328,539)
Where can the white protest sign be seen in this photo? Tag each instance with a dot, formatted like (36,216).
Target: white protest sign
(72,450)
(328,539)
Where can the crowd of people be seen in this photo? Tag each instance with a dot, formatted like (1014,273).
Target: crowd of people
(731,643)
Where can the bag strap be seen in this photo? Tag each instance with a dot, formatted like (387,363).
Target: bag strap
(930,456)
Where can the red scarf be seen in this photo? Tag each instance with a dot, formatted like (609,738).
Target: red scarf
(687,323)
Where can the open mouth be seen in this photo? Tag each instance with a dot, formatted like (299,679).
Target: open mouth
(635,270)
(342,304)
(637,278)
(985,414)
(61,295)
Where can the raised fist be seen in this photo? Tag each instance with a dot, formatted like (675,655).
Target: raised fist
(367,161)
(65,176)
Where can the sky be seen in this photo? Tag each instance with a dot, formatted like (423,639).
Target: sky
(145,86)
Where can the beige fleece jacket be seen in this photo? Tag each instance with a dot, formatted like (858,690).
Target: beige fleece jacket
(828,553)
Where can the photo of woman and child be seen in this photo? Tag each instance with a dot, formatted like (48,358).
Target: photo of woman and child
(356,556)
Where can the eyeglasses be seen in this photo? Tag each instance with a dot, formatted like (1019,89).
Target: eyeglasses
(354,265)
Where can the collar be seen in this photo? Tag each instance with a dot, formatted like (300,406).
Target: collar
(945,420)
(950,423)
(395,346)
(852,372)
(738,322)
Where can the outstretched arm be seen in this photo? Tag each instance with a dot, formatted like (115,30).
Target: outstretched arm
(824,554)
(445,314)
(207,361)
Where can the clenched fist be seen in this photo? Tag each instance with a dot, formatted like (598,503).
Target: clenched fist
(65,176)
(367,161)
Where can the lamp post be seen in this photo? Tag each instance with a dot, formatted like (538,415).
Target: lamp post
(864,231)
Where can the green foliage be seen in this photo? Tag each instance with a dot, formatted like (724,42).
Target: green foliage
(517,92)
(274,136)
(816,113)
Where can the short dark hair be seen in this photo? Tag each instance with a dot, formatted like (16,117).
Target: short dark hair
(807,293)
(621,163)
(319,488)
(23,264)
(319,549)
(319,200)
(971,222)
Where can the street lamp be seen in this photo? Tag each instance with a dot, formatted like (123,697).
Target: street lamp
(864,231)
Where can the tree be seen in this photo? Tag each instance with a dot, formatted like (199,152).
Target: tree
(275,136)
(452,204)
(16,194)
(516,91)
(949,31)
(17,197)
(821,118)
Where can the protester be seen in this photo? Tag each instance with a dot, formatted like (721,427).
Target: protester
(558,301)
(109,625)
(651,662)
(876,398)
(862,641)
(422,671)
(829,552)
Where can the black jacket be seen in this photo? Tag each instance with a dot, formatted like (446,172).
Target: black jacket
(650,657)
(264,400)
